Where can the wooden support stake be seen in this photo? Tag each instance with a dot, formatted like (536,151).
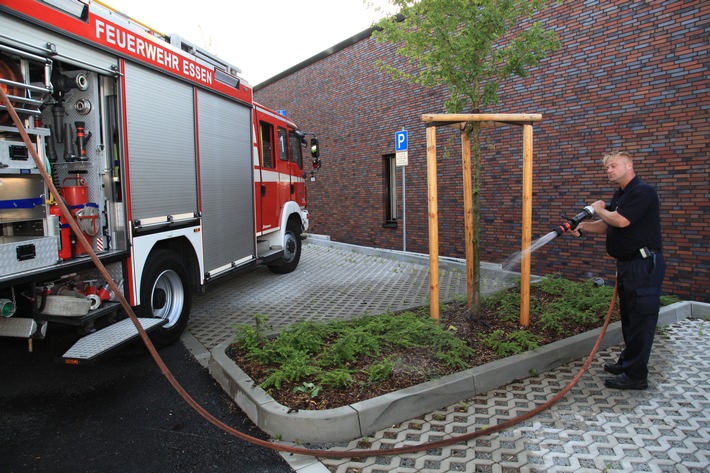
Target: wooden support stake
(468,213)
(459,121)
(527,225)
(512,118)
(433,223)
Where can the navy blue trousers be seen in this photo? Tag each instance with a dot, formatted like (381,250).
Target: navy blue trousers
(639,286)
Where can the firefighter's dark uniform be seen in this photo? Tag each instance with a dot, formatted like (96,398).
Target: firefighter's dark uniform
(640,271)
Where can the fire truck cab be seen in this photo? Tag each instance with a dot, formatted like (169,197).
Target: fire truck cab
(175,176)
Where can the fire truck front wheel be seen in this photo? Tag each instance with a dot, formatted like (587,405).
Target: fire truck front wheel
(165,293)
(292,250)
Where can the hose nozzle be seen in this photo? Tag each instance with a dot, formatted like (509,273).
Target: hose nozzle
(572,223)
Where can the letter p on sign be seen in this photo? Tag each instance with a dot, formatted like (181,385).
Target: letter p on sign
(400,140)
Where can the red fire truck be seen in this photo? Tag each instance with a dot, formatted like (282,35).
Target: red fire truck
(175,176)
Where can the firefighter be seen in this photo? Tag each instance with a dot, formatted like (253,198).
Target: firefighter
(632,225)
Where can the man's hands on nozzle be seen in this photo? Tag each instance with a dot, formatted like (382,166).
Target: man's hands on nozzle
(577,232)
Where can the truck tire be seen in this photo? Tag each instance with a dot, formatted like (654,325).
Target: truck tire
(292,250)
(165,293)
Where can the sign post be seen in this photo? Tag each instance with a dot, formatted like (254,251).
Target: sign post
(401,145)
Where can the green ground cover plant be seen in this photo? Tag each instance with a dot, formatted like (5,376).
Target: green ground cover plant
(322,365)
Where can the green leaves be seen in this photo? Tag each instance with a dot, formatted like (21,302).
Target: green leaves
(468,45)
(574,303)
(309,388)
(380,371)
(309,352)
(510,344)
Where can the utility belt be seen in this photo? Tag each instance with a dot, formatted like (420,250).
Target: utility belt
(642,253)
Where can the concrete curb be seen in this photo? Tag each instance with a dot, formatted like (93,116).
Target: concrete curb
(364,418)
(445,262)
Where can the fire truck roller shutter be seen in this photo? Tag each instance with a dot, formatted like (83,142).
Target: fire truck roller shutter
(161,144)
(226,177)
(162,174)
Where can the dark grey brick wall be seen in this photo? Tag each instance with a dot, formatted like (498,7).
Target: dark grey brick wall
(630,74)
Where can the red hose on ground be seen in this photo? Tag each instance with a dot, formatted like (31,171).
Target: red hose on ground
(221,425)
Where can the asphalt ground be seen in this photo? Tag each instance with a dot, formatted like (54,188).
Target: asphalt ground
(120,415)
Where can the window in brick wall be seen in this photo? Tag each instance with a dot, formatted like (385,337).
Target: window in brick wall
(390,183)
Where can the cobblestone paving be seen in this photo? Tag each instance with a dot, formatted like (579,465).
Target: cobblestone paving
(329,283)
(593,429)
(663,429)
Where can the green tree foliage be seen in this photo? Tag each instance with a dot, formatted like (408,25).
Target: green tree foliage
(469,47)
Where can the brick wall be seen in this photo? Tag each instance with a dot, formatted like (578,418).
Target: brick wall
(630,74)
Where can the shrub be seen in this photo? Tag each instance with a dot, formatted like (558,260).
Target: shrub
(308,350)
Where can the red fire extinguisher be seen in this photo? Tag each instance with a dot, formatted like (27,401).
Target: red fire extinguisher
(64,233)
(76,197)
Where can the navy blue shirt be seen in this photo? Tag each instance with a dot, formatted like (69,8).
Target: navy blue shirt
(638,202)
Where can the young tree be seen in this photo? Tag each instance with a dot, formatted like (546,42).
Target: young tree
(470,47)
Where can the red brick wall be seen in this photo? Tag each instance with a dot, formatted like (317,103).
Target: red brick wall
(630,74)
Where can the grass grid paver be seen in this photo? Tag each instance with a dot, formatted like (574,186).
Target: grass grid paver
(592,429)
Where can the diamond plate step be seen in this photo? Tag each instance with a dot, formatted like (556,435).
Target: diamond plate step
(17,327)
(105,340)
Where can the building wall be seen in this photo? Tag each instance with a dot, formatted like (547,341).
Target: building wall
(630,75)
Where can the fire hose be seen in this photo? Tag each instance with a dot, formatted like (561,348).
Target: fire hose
(265,443)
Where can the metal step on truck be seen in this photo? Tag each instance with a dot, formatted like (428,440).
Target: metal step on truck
(175,176)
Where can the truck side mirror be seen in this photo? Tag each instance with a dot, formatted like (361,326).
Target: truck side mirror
(315,150)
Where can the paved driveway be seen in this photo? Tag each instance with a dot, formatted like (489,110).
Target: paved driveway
(593,429)
(331,282)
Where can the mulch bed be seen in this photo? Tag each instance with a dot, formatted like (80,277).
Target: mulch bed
(418,364)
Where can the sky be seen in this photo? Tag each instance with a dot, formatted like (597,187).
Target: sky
(260,37)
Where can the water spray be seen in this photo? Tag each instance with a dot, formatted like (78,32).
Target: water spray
(572,223)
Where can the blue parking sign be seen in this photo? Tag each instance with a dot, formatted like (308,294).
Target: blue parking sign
(400,140)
